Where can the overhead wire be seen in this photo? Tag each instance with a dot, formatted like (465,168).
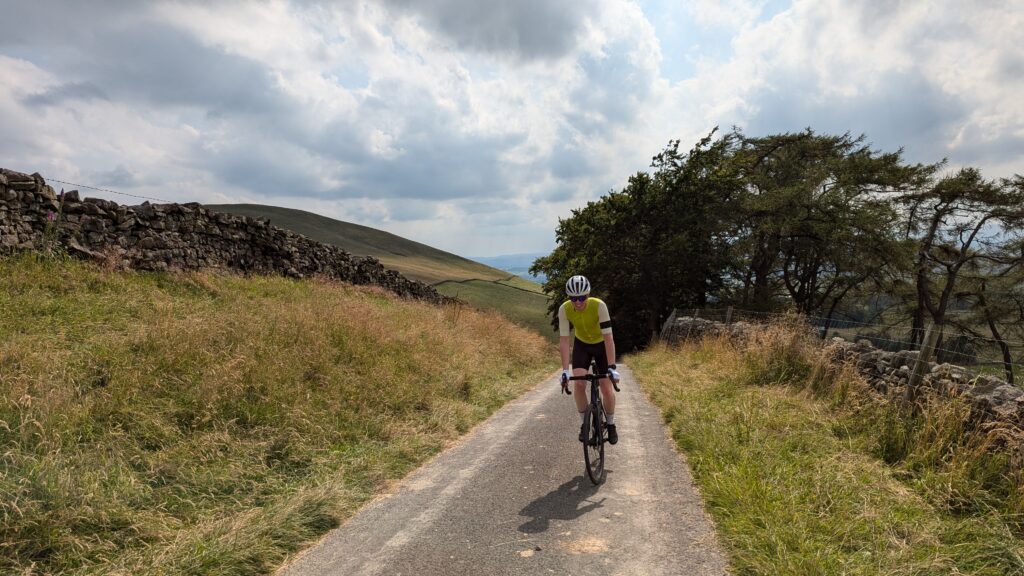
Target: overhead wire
(109,191)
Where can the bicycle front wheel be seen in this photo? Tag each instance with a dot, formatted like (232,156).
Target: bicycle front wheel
(593,448)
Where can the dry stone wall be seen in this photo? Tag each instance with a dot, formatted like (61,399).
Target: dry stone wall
(994,398)
(176,236)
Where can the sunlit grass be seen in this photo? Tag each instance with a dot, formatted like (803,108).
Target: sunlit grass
(807,471)
(210,424)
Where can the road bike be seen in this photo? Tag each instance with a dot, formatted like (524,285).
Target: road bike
(595,429)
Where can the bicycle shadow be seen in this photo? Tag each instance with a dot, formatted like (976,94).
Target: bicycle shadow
(562,503)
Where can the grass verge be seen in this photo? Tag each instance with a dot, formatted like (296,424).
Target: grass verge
(198,423)
(807,471)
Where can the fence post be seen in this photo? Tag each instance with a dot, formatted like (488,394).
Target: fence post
(728,315)
(924,355)
(668,323)
(689,327)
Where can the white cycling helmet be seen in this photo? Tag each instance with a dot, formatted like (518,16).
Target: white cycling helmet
(577,286)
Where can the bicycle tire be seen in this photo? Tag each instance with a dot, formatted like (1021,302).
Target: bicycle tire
(593,448)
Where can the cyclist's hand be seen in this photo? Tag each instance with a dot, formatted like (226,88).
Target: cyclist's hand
(565,381)
(614,374)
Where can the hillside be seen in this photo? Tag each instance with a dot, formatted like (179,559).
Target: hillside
(489,288)
(413,259)
(200,423)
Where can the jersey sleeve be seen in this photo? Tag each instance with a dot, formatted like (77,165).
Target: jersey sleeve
(604,318)
(563,321)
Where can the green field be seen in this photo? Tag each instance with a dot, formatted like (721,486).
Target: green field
(487,288)
(201,423)
(525,307)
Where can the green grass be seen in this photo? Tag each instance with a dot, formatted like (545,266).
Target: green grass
(526,308)
(805,471)
(209,424)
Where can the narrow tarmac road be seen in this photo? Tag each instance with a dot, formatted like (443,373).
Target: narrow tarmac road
(512,498)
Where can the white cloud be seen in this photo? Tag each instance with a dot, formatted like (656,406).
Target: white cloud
(906,74)
(459,123)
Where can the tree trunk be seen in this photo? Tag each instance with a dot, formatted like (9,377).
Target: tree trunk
(1007,358)
(828,318)
(917,327)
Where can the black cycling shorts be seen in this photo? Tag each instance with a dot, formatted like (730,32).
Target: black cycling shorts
(582,353)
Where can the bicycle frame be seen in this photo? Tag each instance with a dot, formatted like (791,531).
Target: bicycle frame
(594,427)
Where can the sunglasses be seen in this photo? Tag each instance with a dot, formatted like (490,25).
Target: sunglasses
(578,298)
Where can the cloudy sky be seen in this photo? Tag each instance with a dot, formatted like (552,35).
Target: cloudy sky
(473,126)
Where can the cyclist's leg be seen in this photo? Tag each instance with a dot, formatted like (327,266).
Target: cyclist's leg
(608,398)
(580,363)
(607,392)
(580,390)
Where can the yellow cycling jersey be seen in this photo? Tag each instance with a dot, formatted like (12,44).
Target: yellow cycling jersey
(590,325)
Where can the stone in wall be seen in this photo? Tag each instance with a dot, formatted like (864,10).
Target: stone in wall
(177,236)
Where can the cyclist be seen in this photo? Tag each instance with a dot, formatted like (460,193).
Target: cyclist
(589,319)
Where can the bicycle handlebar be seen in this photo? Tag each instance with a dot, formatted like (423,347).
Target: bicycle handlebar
(595,377)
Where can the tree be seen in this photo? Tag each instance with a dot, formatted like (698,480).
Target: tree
(661,242)
(993,286)
(817,218)
(961,222)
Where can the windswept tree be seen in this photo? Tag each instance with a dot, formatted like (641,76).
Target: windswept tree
(964,225)
(818,218)
(992,285)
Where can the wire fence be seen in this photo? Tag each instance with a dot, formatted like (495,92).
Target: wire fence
(109,191)
(955,346)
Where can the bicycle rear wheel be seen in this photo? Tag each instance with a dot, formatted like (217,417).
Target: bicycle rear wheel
(593,448)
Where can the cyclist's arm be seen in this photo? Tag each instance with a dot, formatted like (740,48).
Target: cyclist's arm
(563,336)
(563,347)
(609,348)
(606,330)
